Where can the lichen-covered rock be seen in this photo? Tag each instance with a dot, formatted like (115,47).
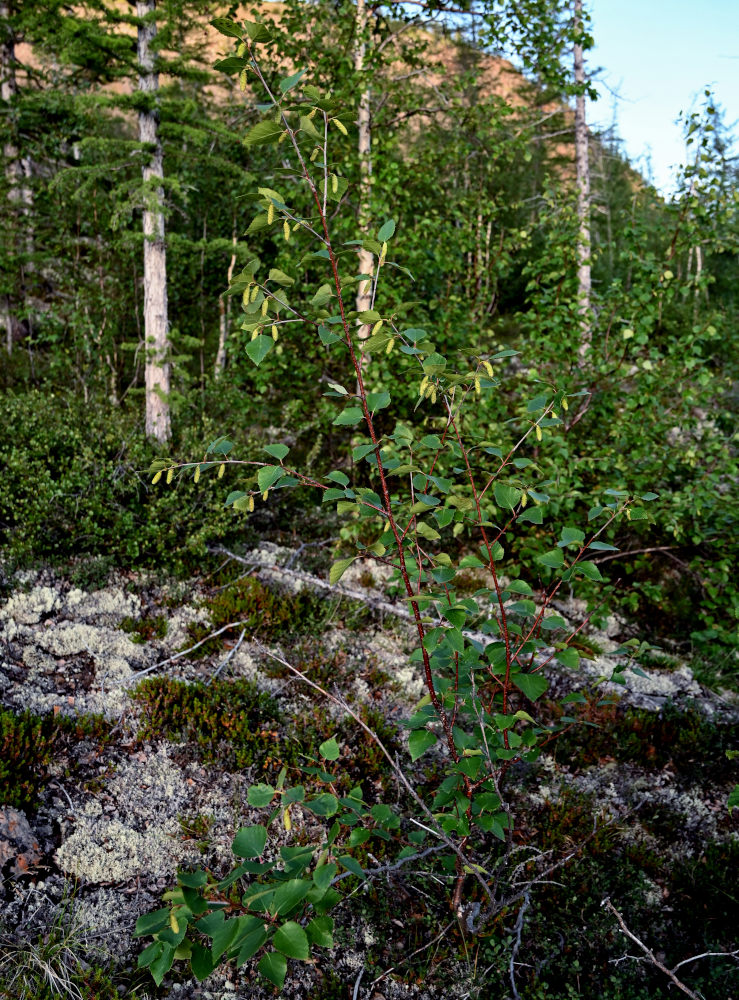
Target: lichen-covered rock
(18,844)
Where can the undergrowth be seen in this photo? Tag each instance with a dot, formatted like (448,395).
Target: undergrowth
(28,745)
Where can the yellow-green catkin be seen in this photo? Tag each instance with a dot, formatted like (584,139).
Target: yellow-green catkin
(251,504)
(221,470)
(539,435)
(286,231)
(390,345)
(196,477)
(157,477)
(275,334)
(270,214)
(170,476)
(340,126)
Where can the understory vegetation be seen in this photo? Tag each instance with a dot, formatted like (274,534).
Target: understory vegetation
(423,584)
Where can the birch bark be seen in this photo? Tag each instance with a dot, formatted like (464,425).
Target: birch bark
(364,149)
(156,325)
(582,168)
(17,171)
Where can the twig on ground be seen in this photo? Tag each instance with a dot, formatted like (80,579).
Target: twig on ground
(518,930)
(230,656)
(184,652)
(647,951)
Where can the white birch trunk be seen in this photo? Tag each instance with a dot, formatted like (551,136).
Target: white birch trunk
(156,325)
(17,171)
(364,147)
(224,315)
(582,168)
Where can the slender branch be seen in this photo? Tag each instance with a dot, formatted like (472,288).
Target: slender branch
(647,951)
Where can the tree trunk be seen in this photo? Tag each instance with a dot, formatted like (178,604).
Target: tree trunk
(156,326)
(17,172)
(224,315)
(364,294)
(582,167)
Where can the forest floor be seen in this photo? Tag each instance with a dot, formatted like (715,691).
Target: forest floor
(113,776)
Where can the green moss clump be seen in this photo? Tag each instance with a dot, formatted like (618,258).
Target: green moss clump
(145,629)
(266,613)
(231,722)
(29,743)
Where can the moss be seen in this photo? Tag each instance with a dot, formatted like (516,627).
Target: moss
(265,612)
(29,743)
(145,629)
(232,723)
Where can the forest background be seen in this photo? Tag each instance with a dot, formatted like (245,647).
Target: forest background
(507,247)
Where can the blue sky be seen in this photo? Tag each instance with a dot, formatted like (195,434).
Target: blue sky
(659,55)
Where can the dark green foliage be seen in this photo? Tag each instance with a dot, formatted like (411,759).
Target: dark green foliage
(74,486)
(144,629)
(686,740)
(228,722)
(29,743)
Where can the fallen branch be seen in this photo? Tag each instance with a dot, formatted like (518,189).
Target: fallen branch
(647,951)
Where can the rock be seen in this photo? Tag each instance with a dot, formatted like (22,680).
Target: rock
(17,842)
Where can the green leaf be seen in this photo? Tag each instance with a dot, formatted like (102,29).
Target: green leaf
(419,741)
(443,574)
(386,231)
(553,621)
(323,805)
(193,880)
(534,515)
(226,27)
(152,923)
(259,348)
(290,81)
(320,931)
(532,685)
(603,547)
(250,944)
(569,657)
(377,400)
(259,796)
(733,800)
(268,475)
(330,749)
(434,364)
(553,559)
(589,570)
(280,278)
(571,536)
(263,133)
(249,841)
(278,451)
(506,496)
(292,941)
(256,31)
(162,964)
(349,417)
(339,568)
(327,337)
(273,967)
(523,608)
(351,865)
(231,64)
(324,874)
(202,962)
(288,895)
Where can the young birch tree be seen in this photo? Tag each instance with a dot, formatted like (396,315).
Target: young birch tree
(156,325)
